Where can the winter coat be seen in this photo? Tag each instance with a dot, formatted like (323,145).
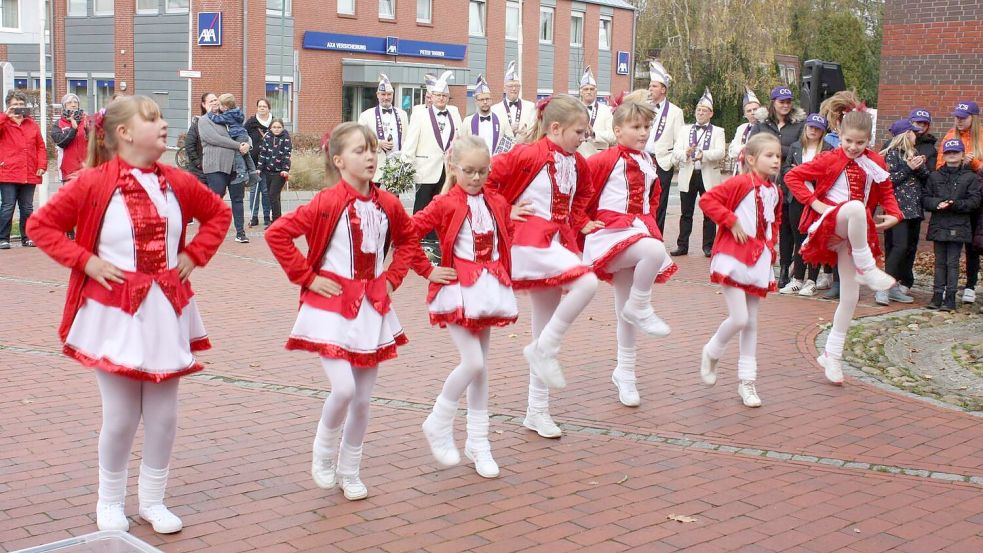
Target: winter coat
(960,185)
(274,153)
(257,131)
(794,159)
(788,134)
(907,184)
(966,137)
(925,145)
(192,147)
(74,145)
(22,151)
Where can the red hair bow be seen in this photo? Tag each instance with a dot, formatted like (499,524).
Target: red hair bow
(325,140)
(541,106)
(617,100)
(861,107)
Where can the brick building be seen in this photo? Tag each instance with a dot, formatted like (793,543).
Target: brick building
(319,60)
(930,57)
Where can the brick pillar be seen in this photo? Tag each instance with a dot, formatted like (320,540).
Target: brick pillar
(123,21)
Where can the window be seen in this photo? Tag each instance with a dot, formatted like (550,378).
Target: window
(424,11)
(20,84)
(105,88)
(576,29)
(604,37)
(148,6)
(279,95)
(78,7)
(177,6)
(355,100)
(273,7)
(411,97)
(476,18)
(9,17)
(80,88)
(102,7)
(346,7)
(546,25)
(387,9)
(512,21)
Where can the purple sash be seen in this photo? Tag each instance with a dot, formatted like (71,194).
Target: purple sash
(518,111)
(694,140)
(593,114)
(662,122)
(378,126)
(436,129)
(475,119)
(747,132)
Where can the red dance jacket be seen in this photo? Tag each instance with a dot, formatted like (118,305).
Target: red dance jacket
(81,205)
(720,203)
(601,166)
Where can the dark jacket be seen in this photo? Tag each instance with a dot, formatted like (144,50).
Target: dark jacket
(793,159)
(907,183)
(788,134)
(274,153)
(925,145)
(192,146)
(256,132)
(960,185)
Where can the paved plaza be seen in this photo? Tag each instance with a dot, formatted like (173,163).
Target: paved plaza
(818,468)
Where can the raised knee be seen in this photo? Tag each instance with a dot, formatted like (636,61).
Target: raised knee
(853,207)
(588,282)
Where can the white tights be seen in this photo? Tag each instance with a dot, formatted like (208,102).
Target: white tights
(552,315)
(634,269)
(348,402)
(472,373)
(124,402)
(742,318)
(851,222)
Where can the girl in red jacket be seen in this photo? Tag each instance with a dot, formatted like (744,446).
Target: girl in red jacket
(628,251)
(346,313)
(843,187)
(474,227)
(130,311)
(749,206)
(548,184)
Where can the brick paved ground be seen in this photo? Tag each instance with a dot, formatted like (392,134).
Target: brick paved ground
(816,469)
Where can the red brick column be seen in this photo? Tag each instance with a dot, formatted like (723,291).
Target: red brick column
(123,22)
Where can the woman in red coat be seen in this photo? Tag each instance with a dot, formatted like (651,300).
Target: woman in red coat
(842,187)
(628,251)
(23,160)
(130,312)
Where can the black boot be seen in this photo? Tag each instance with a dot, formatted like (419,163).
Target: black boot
(783,278)
(936,301)
(949,303)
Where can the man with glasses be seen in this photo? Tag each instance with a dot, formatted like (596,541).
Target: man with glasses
(484,122)
(388,121)
(520,114)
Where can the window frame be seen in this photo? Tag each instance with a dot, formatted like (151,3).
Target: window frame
(111,11)
(286,94)
(583,19)
(429,19)
(514,7)
(70,13)
(354,4)
(289,8)
(84,99)
(148,11)
(551,11)
(609,36)
(3,24)
(483,17)
(169,9)
(391,17)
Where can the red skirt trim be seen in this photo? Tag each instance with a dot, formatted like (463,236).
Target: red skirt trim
(718,278)
(816,250)
(104,364)
(553,281)
(664,276)
(201,344)
(602,262)
(357,359)
(457,317)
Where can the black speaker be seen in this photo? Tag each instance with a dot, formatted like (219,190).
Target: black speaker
(820,80)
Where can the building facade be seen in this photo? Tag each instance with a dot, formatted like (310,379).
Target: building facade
(318,60)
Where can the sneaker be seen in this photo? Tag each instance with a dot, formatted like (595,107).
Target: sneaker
(110,516)
(833,367)
(483,461)
(833,293)
(881,298)
(5,245)
(808,289)
(353,487)
(544,366)
(441,441)
(792,287)
(162,519)
(627,392)
(30,244)
(541,423)
(242,238)
(824,281)
(708,368)
(969,295)
(324,472)
(904,289)
(875,279)
(895,294)
(749,395)
(645,320)
(949,303)
(254,223)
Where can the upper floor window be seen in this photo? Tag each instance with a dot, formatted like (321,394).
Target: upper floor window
(577,29)
(476,18)
(424,11)
(546,25)
(387,9)
(604,37)
(9,14)
(512,19)
(346,7)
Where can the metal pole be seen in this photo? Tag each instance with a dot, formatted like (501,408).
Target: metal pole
(245,50)
(283,46)
(43,191)
(518,61)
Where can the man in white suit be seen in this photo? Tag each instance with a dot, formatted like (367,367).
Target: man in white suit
(432,130)
(484,122)
(698,154)
(389,123)
(750,104)
(520,114)
(668,120)
(600,123)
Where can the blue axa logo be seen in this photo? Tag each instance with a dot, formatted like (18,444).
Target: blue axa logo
(209,28)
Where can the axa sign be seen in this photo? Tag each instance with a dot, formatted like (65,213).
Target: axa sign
(209,28)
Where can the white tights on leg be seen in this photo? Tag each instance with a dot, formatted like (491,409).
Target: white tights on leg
(348,402)
(742,318)
(472,373)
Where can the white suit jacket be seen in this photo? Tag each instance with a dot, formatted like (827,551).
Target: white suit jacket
(603,132)
(662,149)
(527,122)
(367,118)
(712,175)
(421,147)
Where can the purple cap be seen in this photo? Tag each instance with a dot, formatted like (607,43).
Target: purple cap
(817,121)
(920,115)
(900,126)
(965,109)
(781,93)
(953,145)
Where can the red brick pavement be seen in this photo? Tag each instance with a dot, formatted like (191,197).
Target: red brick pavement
(240,472)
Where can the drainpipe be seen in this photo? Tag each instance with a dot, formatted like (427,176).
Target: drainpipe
(245,50)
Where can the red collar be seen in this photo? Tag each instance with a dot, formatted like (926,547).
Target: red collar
(554,147)
(350,191)
(459,192)
(627,150)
